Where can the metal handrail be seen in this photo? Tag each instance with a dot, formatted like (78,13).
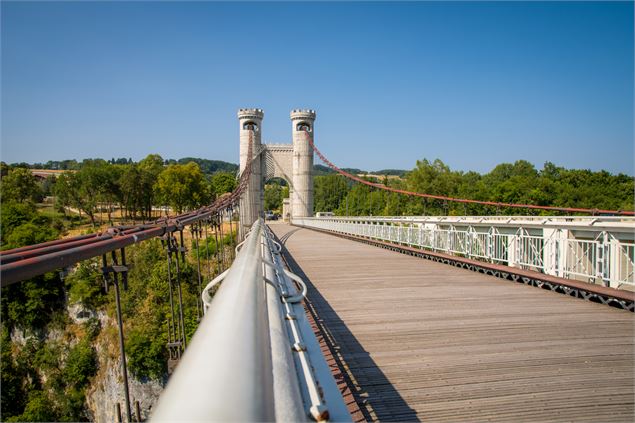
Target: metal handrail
(225,373)
(299,281)
(205,296)
(571,222)
(254,356)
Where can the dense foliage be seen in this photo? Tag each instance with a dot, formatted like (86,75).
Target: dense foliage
(275,192)
(207,166)
(182,187)
(519,182)
(32,307)
(48,361)
(20,186)
(137,189)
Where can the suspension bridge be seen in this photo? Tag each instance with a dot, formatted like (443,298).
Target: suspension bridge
(439,318)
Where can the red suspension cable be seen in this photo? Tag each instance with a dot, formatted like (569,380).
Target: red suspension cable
(461,200)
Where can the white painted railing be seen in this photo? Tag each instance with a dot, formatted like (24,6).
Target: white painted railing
(599,250)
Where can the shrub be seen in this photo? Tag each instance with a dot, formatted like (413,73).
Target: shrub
(81,364)
(39,408)
(146,352)
(85,284)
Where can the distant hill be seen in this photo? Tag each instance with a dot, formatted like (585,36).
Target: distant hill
(207,166)
(390,172)
(320,170)
(211,166)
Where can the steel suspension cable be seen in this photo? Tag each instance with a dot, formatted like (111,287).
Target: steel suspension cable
(196,230)
(25,262)
(209,263)
(460,200)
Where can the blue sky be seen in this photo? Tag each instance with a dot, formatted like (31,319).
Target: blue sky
(474,84)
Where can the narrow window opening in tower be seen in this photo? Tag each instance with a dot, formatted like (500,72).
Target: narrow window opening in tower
(250,126)
(303,126)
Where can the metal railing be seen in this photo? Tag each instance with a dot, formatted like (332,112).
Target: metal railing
(254,356)
(591,249)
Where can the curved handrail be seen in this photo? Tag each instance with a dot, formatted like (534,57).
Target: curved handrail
(299,281)
(205,296)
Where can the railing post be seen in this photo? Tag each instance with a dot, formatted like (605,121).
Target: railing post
(434,238)
(118,416)
(513,249)
(138,408)
(550,253)
(606,259)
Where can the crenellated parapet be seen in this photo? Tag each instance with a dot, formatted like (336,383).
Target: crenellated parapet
(300,114)
(251,114)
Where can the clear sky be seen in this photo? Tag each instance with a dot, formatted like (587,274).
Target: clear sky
(474,84)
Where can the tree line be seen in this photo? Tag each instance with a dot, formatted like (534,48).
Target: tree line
(207,166)
(519,182)
(134,188)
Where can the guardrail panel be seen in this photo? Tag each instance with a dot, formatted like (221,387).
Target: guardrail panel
(608,257)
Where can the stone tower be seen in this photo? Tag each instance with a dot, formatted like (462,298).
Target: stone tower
(250,121)
(302,200)
(292,162)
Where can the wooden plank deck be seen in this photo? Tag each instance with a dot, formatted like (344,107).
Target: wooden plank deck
(425,341)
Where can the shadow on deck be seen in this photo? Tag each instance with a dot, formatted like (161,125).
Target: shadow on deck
(376,401)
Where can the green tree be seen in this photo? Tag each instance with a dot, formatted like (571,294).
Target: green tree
(223,182)
(31,304)
(182,187)
(12,392)
(81,364)
(110,192)
(330,191)
(30,234)
(150,168)
(95,184)
(356,202)
(146,353)
(48,185)
(12,215)
(85,284)
(20,185)
(132,187)
(79,191)
(22,225)
(273,197)
(39,408)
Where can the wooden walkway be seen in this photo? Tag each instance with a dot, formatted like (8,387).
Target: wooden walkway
(426,341)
